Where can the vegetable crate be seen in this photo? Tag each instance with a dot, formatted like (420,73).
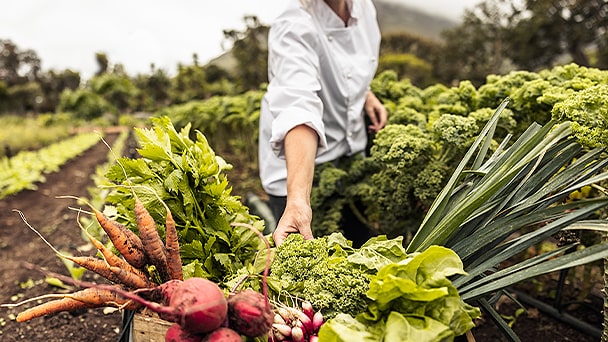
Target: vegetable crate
(148,328)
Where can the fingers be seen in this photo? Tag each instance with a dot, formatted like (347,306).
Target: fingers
(376,112)
(294,220)
(281,233)
(378,119)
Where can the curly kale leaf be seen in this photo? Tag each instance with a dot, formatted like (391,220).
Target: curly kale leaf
(455,130)
(588,111)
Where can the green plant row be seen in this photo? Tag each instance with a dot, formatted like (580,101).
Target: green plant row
(28,168)
(21,133)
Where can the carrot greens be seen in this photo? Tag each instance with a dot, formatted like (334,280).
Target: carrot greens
(181,169)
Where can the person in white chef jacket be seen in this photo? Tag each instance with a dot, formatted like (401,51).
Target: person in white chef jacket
(322,56)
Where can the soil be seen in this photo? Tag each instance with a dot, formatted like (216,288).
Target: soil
(57,222)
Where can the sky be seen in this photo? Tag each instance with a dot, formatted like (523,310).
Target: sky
(66,34)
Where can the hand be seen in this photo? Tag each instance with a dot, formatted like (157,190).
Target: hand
(296,219)
(376,112)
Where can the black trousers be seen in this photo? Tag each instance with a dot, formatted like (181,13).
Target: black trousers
(277,206)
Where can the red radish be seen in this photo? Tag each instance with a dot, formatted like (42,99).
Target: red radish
(285,314)
(250,313)
(278,319)
(199,305)
(223,334)
(162,294)
(313,338)
(283,329)
(317,321)
(167,289)
(307,309)
(175,333)
(303,318)
(297,335)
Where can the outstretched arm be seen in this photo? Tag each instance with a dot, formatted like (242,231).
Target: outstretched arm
(300,150)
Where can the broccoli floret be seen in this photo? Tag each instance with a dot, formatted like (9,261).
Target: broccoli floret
(315,271)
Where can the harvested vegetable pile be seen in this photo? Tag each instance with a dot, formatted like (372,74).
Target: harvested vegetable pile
(199,308)
(211,237)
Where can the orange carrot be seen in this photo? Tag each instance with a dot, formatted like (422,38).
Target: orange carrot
(115,261)
(93,264)
(153,246)
(126,242)
(90,263)
(174,260)
(86,298)
(130,279)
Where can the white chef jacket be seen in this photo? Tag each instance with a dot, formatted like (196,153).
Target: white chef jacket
(319,73)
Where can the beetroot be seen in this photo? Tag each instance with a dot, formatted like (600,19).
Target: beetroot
(175,333)
(250,313)
(223,334)
(199,305)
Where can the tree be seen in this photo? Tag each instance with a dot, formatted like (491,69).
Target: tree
(411,56)
(117,89)
(189,83)
(545,30)
(476,47)
(53,83)
(501,35)
(17,66)
(154,88)
(102,63)
(250,49)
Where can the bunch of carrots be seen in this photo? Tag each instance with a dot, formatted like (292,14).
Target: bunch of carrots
(129,272)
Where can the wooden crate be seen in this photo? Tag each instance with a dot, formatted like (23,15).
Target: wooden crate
(149,328)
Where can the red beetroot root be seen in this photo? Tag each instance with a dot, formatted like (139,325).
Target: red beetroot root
(201,305)
(250,313)
(175,333)
(223,335)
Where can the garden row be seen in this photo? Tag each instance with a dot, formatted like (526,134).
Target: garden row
(27,168)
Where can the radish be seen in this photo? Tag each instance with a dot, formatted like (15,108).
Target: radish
(175,333)
(317,321)
(307,309)
(223,334)
(250,313)
(297,334)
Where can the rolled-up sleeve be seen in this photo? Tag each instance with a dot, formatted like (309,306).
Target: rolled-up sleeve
(292,96)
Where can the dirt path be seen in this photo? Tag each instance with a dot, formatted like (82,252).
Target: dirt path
(53,218)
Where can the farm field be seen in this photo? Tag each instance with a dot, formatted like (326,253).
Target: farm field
(58,224)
